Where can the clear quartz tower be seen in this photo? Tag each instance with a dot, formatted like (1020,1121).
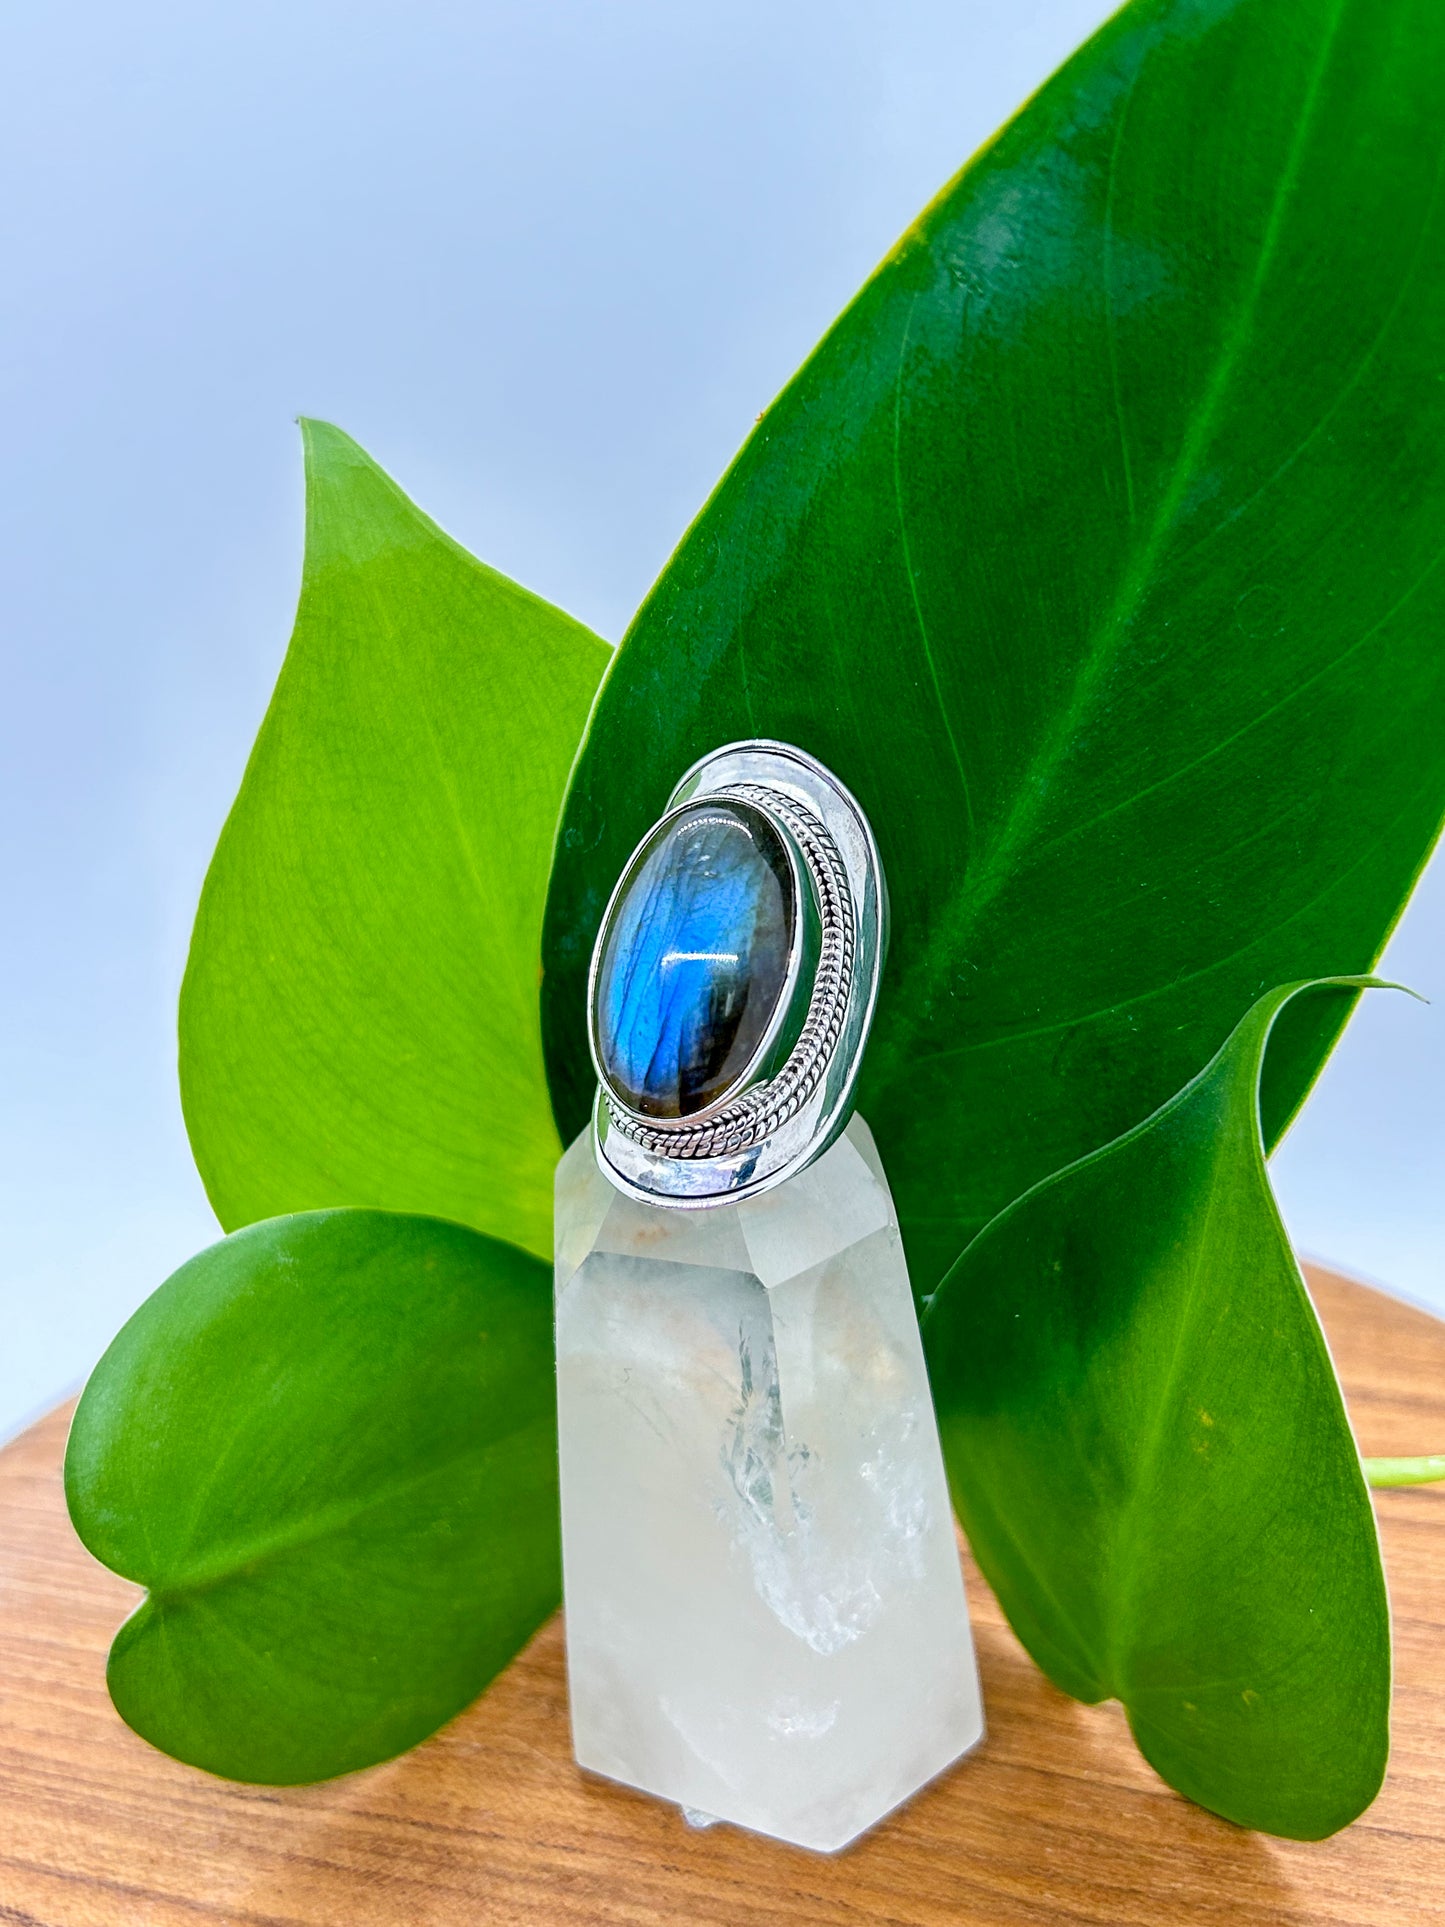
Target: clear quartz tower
(765,1613)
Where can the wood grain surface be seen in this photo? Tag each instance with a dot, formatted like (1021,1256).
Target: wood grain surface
(1054,1819)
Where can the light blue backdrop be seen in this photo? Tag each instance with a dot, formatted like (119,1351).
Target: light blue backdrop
(547,260)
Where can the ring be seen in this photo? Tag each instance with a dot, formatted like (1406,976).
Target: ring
(734,979)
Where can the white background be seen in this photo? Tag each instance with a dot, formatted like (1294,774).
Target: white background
(547,261)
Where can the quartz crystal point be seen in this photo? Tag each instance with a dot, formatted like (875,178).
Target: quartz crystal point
(765,1613)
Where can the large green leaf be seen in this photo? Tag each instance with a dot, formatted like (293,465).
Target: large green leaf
(328,1448)
(1149,1451)
(1098,549)
(359,1016)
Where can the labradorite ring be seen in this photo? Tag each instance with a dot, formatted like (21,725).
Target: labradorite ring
(734,979)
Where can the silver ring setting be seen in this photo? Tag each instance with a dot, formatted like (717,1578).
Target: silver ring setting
(789,1095)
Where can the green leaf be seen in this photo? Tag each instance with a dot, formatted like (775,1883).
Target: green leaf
(1428,1470)
(1148,1448)
(327,1447)
(1098,549)
(359,1016)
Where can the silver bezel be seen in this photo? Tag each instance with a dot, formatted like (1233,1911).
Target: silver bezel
(791,1117)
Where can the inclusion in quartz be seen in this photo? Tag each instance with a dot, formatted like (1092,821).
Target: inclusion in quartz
(764,1608)
(695,961)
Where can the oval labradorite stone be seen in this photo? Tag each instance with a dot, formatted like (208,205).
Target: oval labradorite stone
(695,960)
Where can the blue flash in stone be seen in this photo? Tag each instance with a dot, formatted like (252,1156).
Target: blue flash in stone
(696,960)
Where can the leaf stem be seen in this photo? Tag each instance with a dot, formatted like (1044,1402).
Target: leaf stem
(1387,1472)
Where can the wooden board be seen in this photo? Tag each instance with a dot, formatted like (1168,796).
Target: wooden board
(1055,1819)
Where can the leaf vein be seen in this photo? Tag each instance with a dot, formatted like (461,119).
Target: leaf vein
(907,552)
(982,884)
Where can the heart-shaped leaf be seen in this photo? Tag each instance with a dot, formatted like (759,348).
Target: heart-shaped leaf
(1098,549)
(359,1015)
(328,1448)
(1149,1451)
